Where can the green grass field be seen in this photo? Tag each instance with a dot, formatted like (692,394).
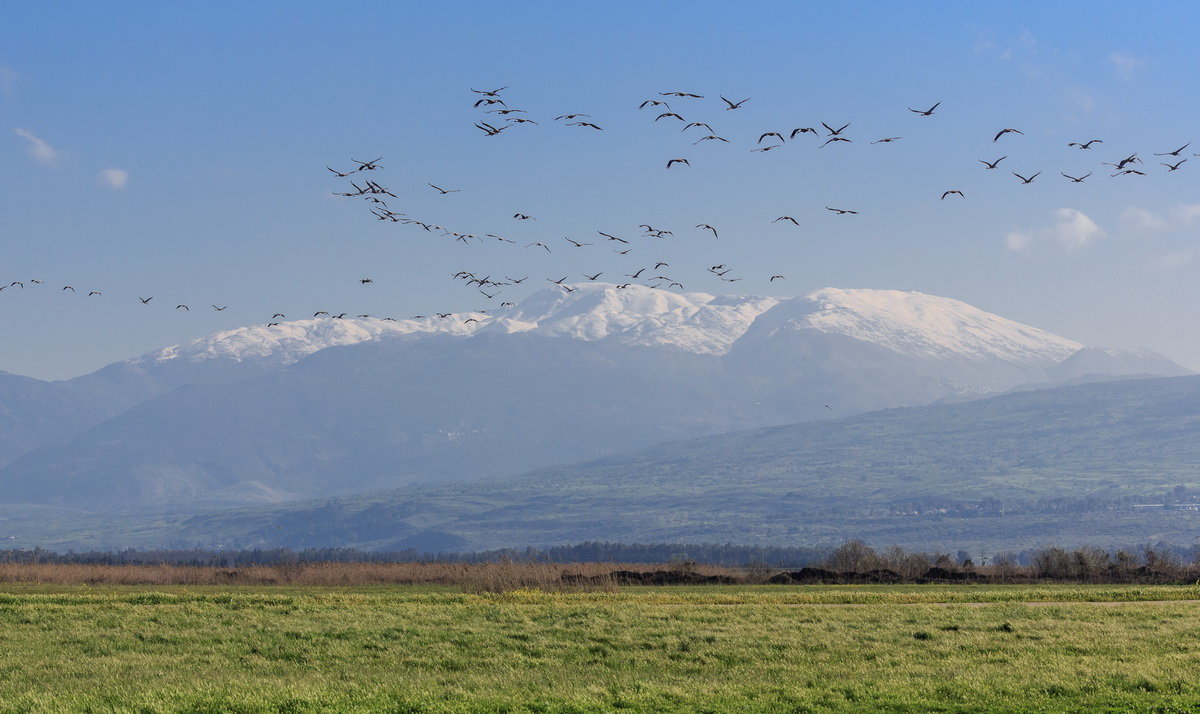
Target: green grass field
(737,649)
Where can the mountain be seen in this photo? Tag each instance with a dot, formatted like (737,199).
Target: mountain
(1085,464)
(320,407)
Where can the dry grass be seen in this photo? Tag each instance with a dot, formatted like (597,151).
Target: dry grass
(471,577)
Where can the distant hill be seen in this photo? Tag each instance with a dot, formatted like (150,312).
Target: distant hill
(320,407)
(1070,465)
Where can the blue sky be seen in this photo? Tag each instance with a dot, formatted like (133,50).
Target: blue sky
(179,150)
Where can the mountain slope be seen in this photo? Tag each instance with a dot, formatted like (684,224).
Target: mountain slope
(1063,465)
(320,407)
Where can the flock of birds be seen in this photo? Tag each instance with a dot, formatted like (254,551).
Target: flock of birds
(499,118)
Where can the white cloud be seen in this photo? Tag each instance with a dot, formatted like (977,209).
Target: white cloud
(1126,64)
(114,178)
(41,152)
(1144,220)
(1071,231)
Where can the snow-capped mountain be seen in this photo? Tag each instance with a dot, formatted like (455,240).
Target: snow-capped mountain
(322,406)
(908,323)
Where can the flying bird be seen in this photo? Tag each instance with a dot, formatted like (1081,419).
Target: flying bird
(802,130)
(1026,180)
(1176,152)
(707,227)
(681,94)
(669,114)
(677,161)
(1002,132)
(1076,179)
(888,140)
(183,307)
(835,132)
(219,309)
(993,164)
(925,112)
(734,105)
(786,218)
(146,301)
(1175,166)
(841,211)
(1085,144)
(832,139)
(769,133)
(444,191)
(951,193)
(523,217)
(776,277)
(584,123)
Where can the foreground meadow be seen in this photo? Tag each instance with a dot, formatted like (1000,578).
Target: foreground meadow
(738,649)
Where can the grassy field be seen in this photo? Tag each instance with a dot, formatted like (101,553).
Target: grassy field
(736,649)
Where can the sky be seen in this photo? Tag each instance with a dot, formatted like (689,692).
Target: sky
(179,151)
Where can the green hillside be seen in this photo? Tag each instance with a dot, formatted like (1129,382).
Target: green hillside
(1067,466)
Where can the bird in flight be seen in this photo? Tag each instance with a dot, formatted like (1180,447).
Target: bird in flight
(219,309)
(681,94)
(764,149)
(339,174)
(1085,144)
(1176,165)
(835,132)
(802,130)
(366,281)
(585,123)
(1176,152)
(95,292)
(569,117)
(841,211)
(707,227)
(710,137)
(951,193)
(669,114)
(68,287)
(492,93)
(371,165)
(677,161)
(146,301)
(653,103)
(786,218)
(769,133)
(699,124)
(776,277)
(1026,180)
(888,140)
(1077,179)
(575,243)
(444,191)
(832,139)
(183,307)
(592,277)
(523,217)
(1002,132)
(734,105)
(993,164)
(925,112)
(543,245)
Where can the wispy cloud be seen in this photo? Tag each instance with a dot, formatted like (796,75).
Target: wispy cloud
(1071,231)
(1126,64)
(114,178)
(1147,221)
(8,78)
(41,151)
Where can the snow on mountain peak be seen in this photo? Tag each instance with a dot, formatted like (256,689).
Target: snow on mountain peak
(909,323)
(287,342)
(637,315)
(917,324)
